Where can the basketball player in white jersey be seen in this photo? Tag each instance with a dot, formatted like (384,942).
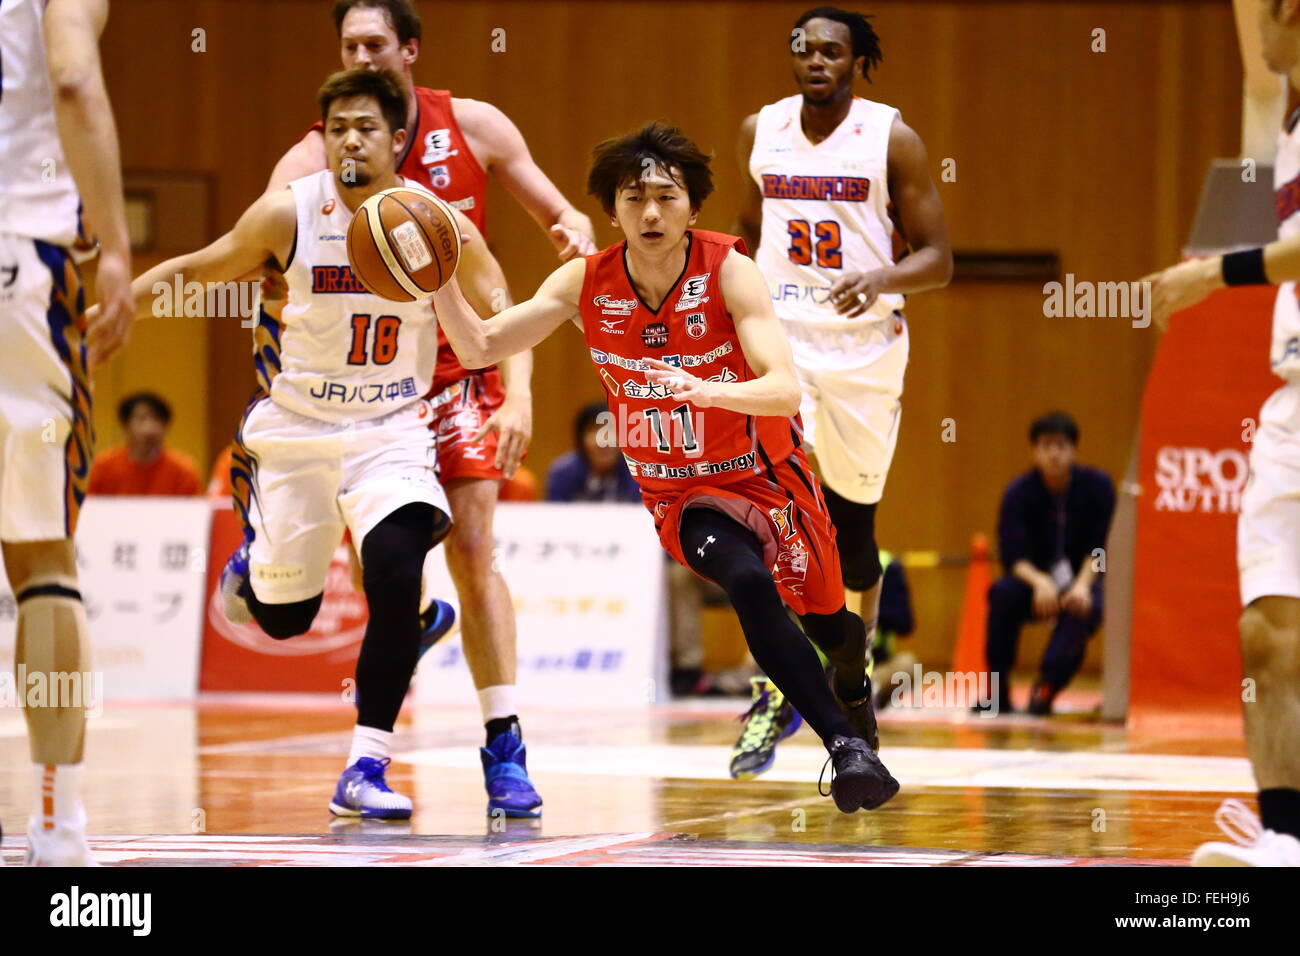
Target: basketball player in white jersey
(338,435)
(1268,528)
(58,151)
(836,188)
(386,34)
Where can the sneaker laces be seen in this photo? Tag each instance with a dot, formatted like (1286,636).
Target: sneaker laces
(1239,823)
(760,720)
(374,774)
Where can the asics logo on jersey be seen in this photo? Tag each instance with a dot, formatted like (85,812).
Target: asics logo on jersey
(836,188)
(328,208)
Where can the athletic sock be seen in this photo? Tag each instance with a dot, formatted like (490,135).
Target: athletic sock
(369,742)
(59,787)
(502,725)
(1279,810)
(497,701)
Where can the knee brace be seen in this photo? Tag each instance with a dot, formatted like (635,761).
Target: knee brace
(282,621)
(855,533)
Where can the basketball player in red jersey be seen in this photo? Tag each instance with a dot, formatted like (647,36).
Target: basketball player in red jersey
(701,380)
(482,425)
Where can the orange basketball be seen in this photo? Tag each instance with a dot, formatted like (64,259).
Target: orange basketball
(403,244)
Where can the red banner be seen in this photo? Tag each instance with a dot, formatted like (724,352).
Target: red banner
(1199,415)
(242,657)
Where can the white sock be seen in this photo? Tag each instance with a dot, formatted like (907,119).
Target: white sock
(497,701)
(369,742)
(59,791)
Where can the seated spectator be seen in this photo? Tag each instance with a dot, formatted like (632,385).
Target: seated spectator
(594,470)
(144,466)
(1051,528)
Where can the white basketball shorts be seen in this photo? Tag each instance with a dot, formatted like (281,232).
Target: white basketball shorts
(852,382)
(46,433)
(309,479)
(1268,528)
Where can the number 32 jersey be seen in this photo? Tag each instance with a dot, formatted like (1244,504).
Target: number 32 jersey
(338,353)
(826,208)
(667,443)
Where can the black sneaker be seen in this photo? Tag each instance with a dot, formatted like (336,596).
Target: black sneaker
(770,719)
(861,713)
(1040,699)
(858,779)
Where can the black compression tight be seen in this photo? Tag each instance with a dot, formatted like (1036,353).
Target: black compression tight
(724,551)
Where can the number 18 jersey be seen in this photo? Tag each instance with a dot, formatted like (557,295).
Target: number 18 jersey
(338,353)
(826,208)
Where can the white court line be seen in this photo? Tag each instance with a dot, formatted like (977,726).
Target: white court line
(913,766)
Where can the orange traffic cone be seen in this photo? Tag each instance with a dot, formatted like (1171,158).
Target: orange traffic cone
(968,654)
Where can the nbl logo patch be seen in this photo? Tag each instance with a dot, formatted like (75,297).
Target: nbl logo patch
(696,326)
(439,177)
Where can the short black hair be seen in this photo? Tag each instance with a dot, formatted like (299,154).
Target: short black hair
(622,158)
(383,85)
(400,13)
(157,404)
(1054,423)
(865,41)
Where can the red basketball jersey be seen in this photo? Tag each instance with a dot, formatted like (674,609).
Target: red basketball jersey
(437,156)
(669,444)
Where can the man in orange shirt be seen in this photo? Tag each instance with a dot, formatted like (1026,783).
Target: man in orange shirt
(143,466)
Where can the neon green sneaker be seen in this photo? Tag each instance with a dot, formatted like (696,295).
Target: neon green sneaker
(769,720)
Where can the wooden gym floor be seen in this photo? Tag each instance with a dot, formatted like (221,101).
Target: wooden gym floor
(245,779)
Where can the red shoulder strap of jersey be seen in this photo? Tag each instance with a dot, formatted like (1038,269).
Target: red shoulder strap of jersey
(722,238)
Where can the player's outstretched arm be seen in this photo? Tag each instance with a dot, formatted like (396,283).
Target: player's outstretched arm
(749,220)
(89,137)
(509,159)
(264,232)
(482,342)
(1182,286)
(775,390)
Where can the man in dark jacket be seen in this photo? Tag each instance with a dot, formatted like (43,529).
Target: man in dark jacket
(1052,530)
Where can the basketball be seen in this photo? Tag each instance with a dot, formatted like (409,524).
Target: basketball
(403,244)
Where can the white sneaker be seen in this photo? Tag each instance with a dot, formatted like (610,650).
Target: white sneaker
(62,846)
(1252,845)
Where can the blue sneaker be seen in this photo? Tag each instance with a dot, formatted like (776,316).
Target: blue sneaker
(234,578)
(362,792)
(435,621)
(505,774)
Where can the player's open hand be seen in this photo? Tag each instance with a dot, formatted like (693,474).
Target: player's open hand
(108,324)
(569,242)
(682,384)
(854,293)
(513,423)
(1180,287)
(1047,600)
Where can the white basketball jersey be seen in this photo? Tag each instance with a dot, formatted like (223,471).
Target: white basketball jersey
(1284,354)
(825,207)
(337,352)
(38,198)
